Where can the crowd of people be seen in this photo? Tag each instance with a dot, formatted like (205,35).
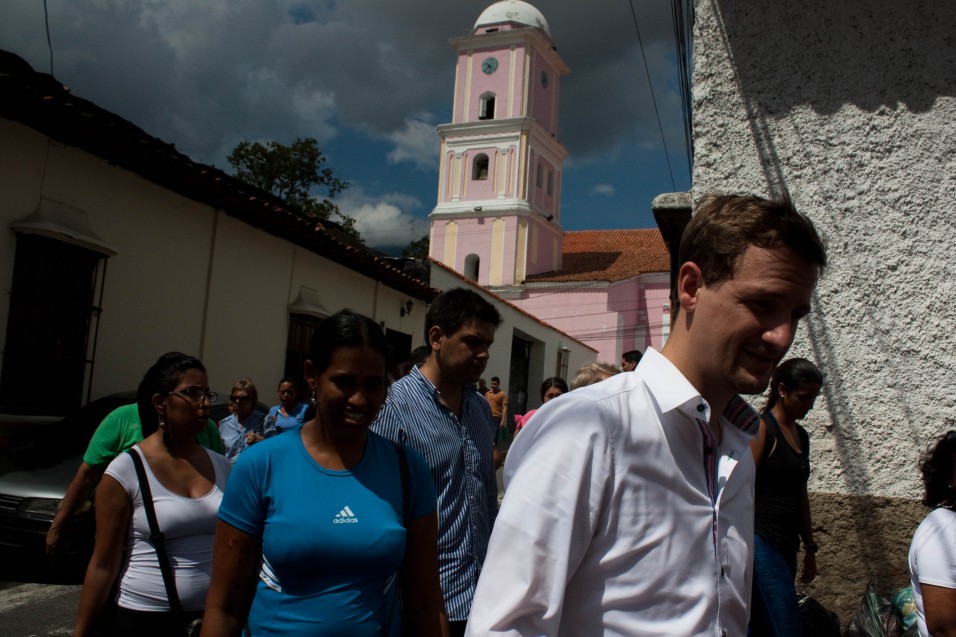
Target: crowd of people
(645,499)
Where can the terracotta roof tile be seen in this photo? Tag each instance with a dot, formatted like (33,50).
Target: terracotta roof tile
(608,255)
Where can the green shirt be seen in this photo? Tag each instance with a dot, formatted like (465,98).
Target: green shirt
(121,429)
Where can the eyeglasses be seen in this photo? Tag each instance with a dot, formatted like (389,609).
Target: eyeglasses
(240,399)
(195,394)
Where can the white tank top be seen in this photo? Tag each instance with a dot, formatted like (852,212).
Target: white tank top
(189,525)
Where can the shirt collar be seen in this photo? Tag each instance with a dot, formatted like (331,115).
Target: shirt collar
(673,391)
(426,385)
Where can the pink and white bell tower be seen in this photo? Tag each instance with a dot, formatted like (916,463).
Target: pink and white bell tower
(498,217)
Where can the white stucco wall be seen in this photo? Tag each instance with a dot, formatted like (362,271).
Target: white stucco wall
(851,107)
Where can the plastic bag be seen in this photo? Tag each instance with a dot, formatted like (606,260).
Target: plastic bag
(905,604)
(816,619)
(876,617)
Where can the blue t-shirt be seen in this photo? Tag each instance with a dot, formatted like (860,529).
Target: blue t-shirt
(275,419)
(332,541)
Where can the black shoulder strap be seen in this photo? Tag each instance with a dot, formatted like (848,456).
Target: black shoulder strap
(770,440)
(155,535)
(406,500)
(403,472)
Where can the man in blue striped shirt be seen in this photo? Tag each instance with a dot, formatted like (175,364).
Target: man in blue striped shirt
(436,410)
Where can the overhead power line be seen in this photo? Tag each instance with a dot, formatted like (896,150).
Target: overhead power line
(650,85)
(683,21)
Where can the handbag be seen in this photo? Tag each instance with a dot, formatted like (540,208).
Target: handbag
(158,540)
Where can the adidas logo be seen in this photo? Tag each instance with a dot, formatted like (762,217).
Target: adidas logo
(345,516)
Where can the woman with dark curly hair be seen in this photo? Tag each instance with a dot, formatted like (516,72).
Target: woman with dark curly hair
(932,558)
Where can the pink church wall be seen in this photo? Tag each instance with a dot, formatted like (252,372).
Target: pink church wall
(641,308)
(480,188)
(475,237)
(540,198)
(541,244)
(582,314)
(497,83)
(657,300)
(624,316)
(542,98)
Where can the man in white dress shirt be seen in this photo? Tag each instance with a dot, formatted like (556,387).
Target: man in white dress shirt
(629,503)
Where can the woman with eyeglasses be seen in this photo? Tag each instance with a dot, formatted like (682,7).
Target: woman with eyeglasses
(330,529)
(246,425)
(186,483)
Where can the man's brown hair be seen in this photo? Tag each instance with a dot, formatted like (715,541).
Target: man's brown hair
(725,225)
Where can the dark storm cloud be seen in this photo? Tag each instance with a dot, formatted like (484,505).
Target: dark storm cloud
(206,75)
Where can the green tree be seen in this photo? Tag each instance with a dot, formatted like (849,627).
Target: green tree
(416,249)
(292,173)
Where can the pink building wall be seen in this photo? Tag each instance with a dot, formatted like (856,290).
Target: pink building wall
(497,83)
(623,316)
(544,99)
(475,237)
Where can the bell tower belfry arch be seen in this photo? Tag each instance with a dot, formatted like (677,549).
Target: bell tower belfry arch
(498,217)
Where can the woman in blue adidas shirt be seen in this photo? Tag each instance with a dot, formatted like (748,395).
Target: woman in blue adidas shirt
(314,533)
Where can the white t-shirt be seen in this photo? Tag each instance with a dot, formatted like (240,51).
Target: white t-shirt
(610,524)
(189,526)
(933,557)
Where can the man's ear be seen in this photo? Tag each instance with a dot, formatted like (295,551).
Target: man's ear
(689,283)
(434,337)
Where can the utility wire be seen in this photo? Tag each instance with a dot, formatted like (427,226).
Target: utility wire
(650,85)
(683,28)
(49,42)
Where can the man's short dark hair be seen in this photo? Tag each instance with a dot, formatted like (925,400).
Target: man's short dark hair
(725,225)
(633,356)
(456,307)
(495,379)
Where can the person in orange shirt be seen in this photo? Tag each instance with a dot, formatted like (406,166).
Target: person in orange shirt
(499,407)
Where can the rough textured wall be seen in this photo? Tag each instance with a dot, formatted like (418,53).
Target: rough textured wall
(862,539)
(850,106)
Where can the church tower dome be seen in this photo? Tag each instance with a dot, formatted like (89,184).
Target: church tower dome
(498,216)
(511,12)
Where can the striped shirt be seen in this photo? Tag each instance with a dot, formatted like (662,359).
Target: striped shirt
(459,453)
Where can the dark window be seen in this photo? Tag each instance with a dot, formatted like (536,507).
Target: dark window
(48,331)
(472,265)
(518,376)
(486,107)
(479,169)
